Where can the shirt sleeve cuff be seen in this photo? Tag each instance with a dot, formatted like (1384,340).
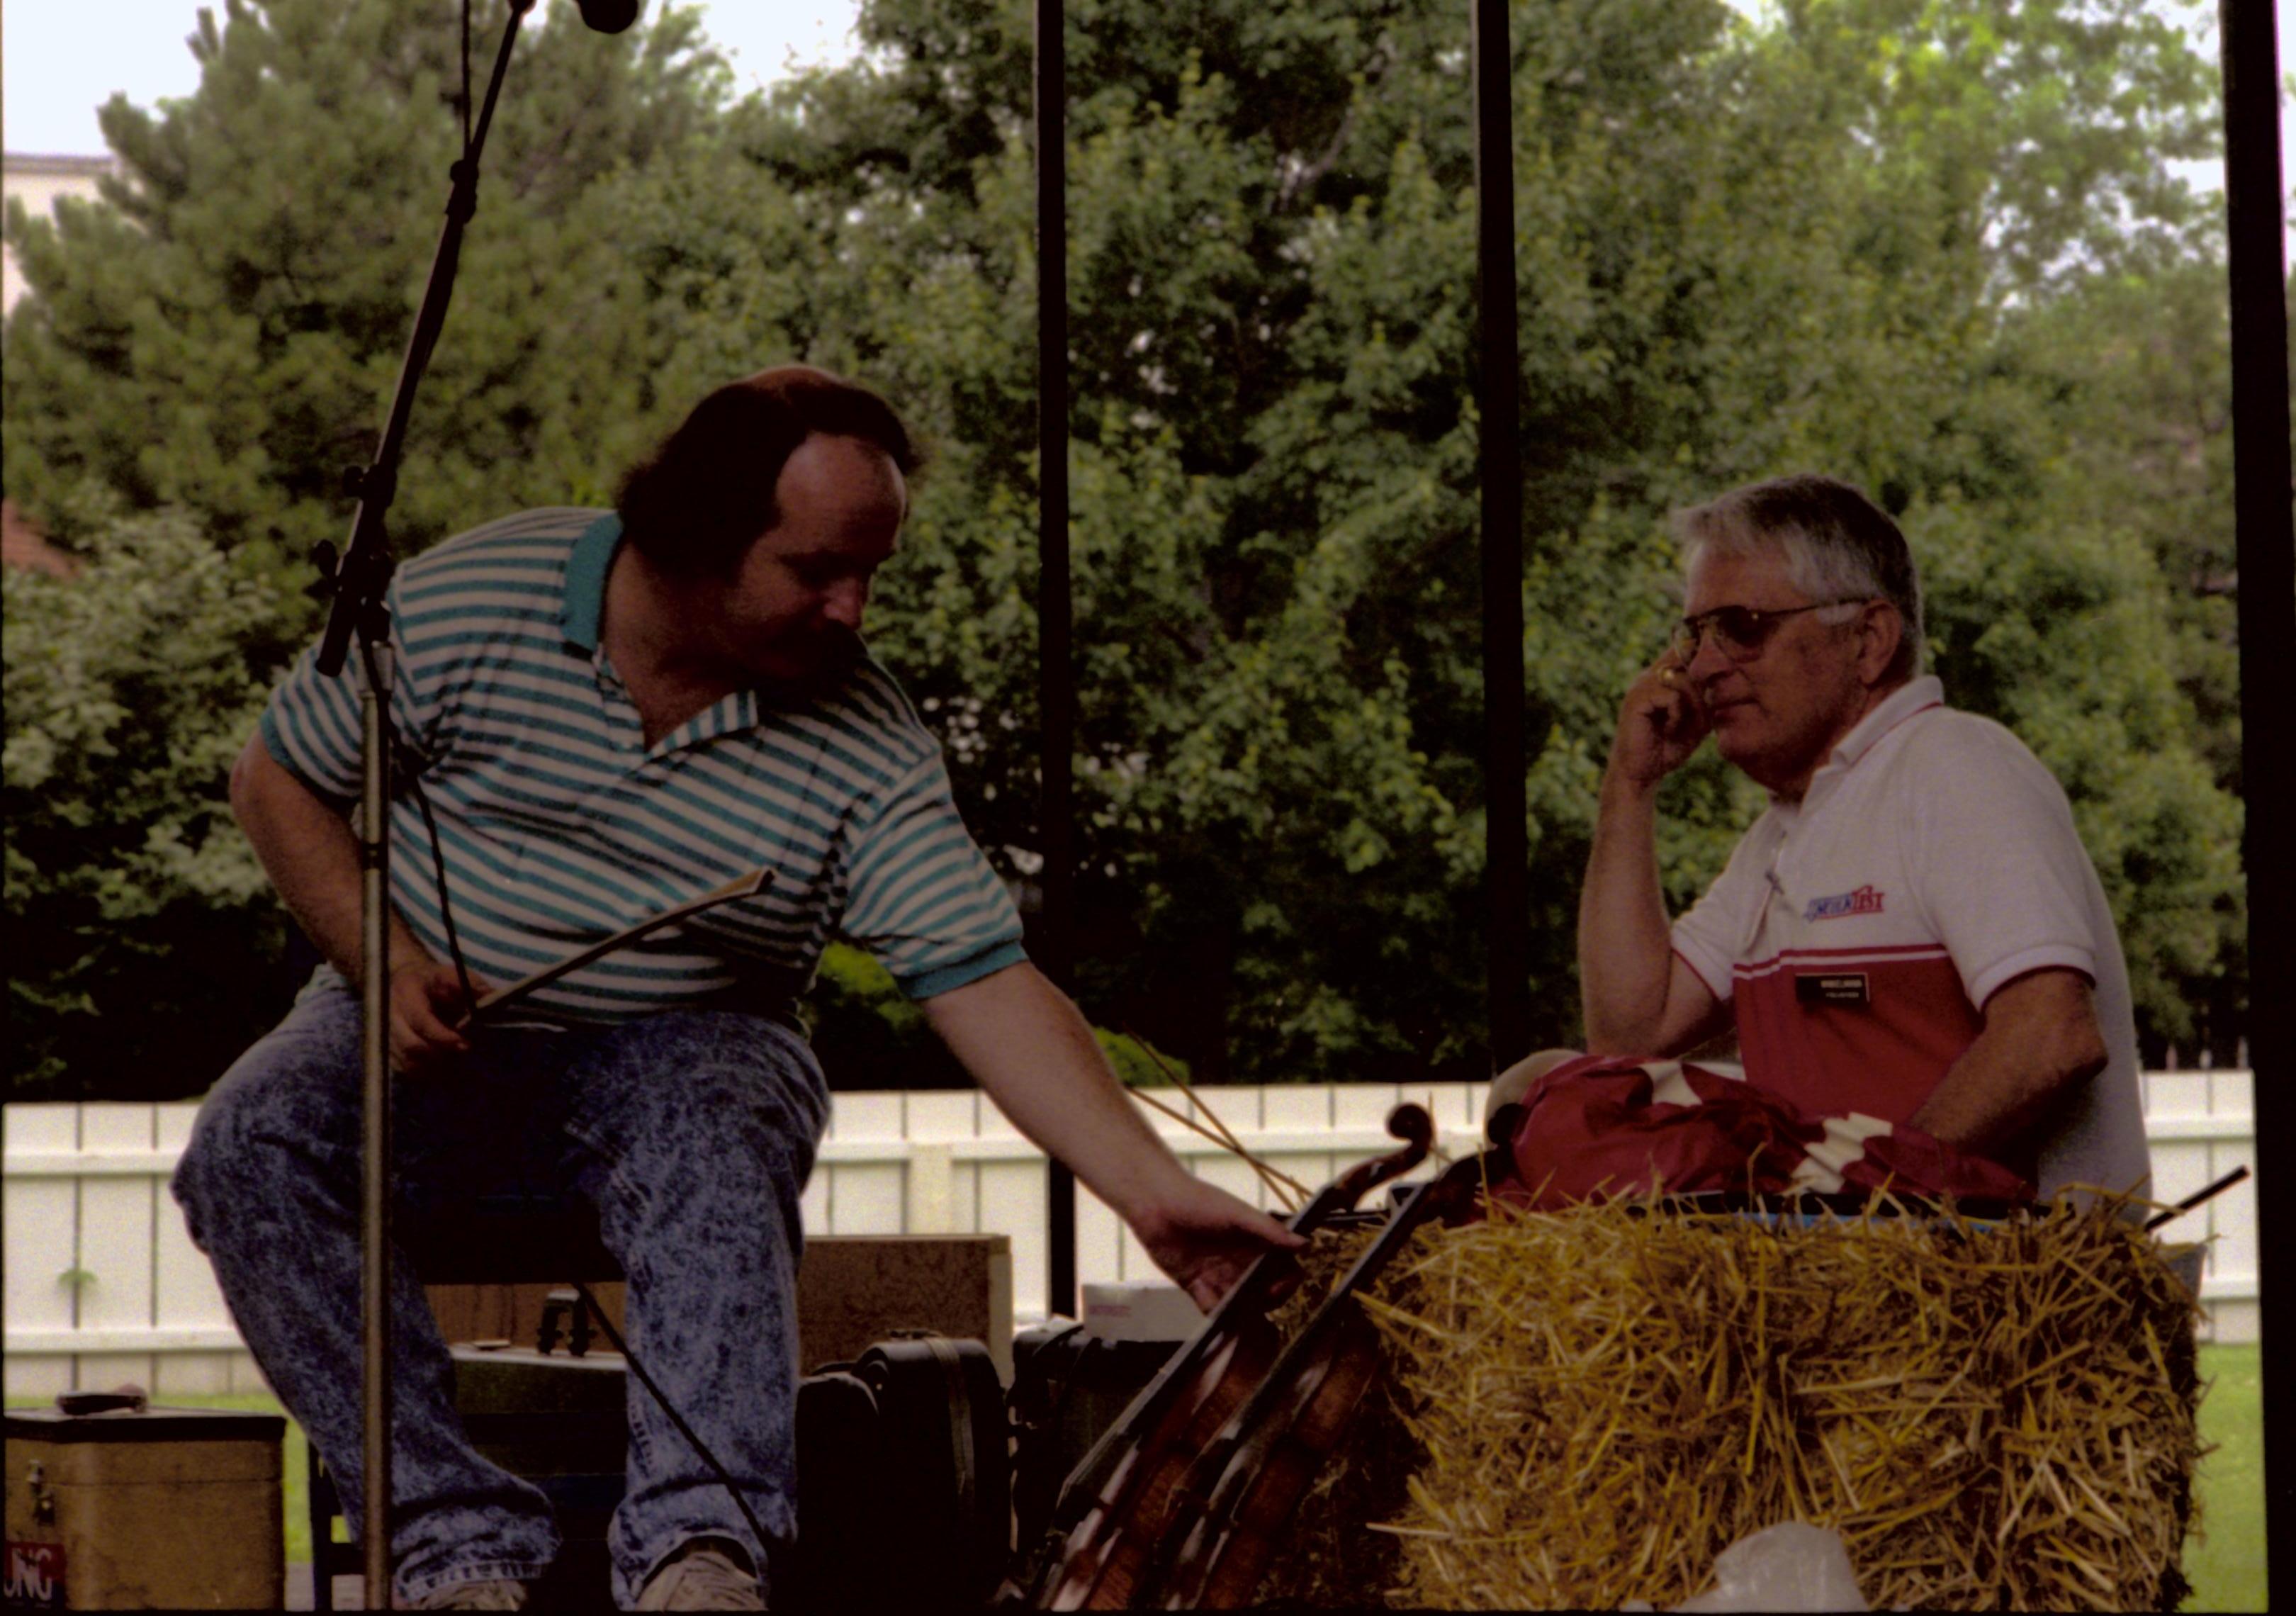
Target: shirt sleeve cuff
(1714,973)
(2046,956)
(275,743)
(944,979)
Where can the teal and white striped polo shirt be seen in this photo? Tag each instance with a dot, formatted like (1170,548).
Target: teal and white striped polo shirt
(560,826)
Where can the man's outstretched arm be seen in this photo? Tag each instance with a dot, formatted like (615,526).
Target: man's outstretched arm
(1030,1049)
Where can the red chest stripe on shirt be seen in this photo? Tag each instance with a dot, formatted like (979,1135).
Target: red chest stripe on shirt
(1835,959)
(1836,955)
(1881,1057)
(1906,950)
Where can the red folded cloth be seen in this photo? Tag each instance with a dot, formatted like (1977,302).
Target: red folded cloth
(1602,1126)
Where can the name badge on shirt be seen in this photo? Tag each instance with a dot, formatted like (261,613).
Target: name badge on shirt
(1821,988)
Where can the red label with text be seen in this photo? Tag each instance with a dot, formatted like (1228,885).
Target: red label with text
(35,1577)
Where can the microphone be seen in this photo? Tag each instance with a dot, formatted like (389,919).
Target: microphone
(609,16)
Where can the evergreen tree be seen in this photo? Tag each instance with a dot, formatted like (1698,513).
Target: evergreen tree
(223,332)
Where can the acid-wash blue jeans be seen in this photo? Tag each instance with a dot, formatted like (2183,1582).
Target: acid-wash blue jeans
(692,1132)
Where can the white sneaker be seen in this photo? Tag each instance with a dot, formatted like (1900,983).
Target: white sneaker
(494,1594)
(703,1577)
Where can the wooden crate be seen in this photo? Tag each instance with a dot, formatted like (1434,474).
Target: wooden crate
(852,1290)
(160,1509)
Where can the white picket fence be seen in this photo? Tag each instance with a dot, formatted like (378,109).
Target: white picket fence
(103,1286)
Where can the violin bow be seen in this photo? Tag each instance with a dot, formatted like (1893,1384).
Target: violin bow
(742,886)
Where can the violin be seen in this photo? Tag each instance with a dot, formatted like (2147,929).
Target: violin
(1115,1512)
(1243,1491)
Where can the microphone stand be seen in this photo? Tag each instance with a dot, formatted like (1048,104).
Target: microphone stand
(359,583)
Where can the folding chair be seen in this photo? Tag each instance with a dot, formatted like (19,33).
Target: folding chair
(508,1239)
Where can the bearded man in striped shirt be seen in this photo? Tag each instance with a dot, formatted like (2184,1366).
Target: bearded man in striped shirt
(611,714)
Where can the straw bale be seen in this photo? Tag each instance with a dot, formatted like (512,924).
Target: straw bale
(1588,1406)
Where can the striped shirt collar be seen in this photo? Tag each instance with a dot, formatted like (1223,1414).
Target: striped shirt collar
(584,608)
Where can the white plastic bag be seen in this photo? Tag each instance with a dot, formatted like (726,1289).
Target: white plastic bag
(1791,1566)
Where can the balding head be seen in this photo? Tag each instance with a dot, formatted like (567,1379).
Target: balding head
(696,505)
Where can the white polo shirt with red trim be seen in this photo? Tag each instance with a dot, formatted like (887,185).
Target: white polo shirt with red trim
(1857,934)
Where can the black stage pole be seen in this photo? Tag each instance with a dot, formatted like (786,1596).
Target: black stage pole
(1506,836)
(1056,927)
(359,582)
(2267,564)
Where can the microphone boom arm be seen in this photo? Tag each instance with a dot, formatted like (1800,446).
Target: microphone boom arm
(363,574)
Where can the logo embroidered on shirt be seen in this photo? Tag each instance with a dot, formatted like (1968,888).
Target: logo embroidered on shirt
(1864,901)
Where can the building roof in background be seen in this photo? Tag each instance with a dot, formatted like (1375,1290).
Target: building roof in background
(32,163)
(37,182)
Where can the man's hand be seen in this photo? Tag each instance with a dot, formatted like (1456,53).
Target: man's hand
(1636,996)
(312,858)
(1661,724)
(427,1008)
(1033,1052)
(1205,1238)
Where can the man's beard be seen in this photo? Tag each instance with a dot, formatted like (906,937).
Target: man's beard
(823,661)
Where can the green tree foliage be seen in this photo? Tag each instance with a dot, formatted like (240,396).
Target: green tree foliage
(868,1036)
(1932,245)
(223,332)
(142,939)
(2014,612)
(1839,240)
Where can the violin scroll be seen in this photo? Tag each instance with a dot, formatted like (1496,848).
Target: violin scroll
(1408,1122)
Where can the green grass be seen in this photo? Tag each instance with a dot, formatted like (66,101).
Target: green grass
(2224,1560)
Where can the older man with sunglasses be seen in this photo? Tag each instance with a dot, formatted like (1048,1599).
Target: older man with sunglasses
(1913,931)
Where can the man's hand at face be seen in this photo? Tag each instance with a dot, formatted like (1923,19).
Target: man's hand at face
(1661,724)
(427,1008)
(1205,1238)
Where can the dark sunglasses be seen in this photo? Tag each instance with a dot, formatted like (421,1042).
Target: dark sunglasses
(1740,632)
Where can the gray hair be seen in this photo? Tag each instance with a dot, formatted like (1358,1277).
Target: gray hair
(1837,546)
